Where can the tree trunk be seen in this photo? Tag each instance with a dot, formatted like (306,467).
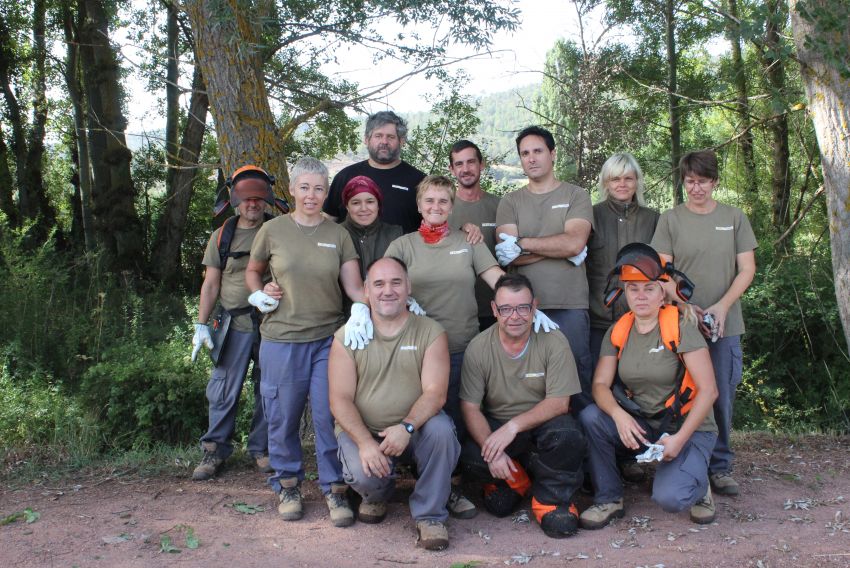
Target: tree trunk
(673,100)
(775,70)
(116,221)
(172,97)
(14,115)
(233,73)
(165,257)
(743,106)
(81,139)
(828,93)
(7,202)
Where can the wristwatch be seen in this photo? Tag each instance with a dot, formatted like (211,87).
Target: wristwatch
(409,427)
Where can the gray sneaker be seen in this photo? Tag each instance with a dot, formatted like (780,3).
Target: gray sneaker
(432,535)
(723,483)
(459,506)
(291,507)
(598,515)
(340,510)
(263,464)
(209,463)
(703,511)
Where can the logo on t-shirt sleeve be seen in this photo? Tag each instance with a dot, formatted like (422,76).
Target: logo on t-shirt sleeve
(459,251)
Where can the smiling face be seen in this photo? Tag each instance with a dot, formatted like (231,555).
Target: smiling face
(622,187)
(644,298)
(384,145)
(467,168)
(387,289)
(309,192)
(363,208)
(538,161)
(251,209)
(514,325)
(699,190)
(435,204)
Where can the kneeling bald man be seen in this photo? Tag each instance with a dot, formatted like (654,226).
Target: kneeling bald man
(387,401)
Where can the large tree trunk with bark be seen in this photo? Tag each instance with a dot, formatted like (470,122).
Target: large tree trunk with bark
(742,107)
(233,72)
(7,202)
(827,82)
(165,257)
(774,68)
(14,114)
(673,100)
(172,96)
(116,221)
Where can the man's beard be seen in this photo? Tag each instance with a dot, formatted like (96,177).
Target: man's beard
(393,156)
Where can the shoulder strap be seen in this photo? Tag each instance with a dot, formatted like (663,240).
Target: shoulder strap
(668,320)
(225,239)
(620,331)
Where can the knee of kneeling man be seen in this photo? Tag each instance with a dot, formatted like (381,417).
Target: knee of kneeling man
(669,501)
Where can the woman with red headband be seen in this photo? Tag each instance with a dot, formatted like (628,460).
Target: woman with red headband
(661,358)
(362,198)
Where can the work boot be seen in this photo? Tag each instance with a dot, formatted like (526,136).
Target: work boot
(459,506)
(703,511)
(600,514)
(557,521)
(263,464)
(432,535)
(499,499)
(723,483)
(341,513)
(290,507)
(209,463)
(632,471)
(372,513)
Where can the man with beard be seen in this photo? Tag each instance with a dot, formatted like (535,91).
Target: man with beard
(474,210)
(385,134)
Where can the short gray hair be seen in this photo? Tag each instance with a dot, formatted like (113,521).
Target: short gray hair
(384,117)
(617,165)
(308,165)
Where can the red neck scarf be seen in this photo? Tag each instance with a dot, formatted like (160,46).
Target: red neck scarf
(432,234)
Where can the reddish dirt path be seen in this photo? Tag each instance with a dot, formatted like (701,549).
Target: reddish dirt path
(794,511)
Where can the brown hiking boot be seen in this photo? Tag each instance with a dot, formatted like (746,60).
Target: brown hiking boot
(432,535)
(209,463)
(263,464)
(290,507)
(723,483)
(372,513)
(340,510)
(703,511)
(600,514)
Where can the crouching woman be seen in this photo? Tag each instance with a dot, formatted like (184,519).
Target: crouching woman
(647,351)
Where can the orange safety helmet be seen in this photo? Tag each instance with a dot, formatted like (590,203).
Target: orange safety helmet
(259,189)
(639,262)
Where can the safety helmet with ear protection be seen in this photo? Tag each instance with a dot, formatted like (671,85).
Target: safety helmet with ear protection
(639,262)
(257,185)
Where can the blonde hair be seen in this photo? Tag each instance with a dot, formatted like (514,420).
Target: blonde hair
(618,165)
(435,181)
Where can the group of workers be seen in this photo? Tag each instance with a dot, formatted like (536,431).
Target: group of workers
(527,343)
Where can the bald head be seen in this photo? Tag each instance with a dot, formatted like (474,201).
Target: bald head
(387,288)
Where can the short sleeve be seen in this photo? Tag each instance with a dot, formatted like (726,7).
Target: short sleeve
(348,251)
(482,259)
(662,241)
(581,207)
(745,238)
(396,249)
(211,256)
(261,247)
(472,379)
(561,374)
(607,348)
(506,214)
(690,337)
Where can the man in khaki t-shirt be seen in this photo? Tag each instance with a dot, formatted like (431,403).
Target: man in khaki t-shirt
(387,401)
(543,230)
(515,397)
(250,191)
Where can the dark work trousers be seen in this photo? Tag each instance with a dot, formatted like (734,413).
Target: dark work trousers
(552,454)
(223,393)
(575,325)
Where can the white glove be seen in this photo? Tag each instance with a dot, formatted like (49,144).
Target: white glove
(579,258)
(508,249)
(414,308)
(202,337)
(358,328)
(263,301)
(654,453)
(542,320)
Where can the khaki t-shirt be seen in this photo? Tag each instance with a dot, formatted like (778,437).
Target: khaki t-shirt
(305,264)
(442,279)
(483,214)
(233,293)
(704,247)
(649,369)
(389,372)
(557,283)
(506,387)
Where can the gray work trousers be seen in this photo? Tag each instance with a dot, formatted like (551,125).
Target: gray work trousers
(224,389)
(434,450)
(678,483)
(726,358)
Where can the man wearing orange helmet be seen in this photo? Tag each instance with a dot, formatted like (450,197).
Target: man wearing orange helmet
(226,256)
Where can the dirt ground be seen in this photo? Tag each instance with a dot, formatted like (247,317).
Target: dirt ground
(794,510)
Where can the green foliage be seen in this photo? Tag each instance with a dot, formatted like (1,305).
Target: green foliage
(452,119)
(829,20)
(27,514)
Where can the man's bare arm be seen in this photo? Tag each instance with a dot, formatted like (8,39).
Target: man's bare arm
(435,383)
(209,293)
(562,245)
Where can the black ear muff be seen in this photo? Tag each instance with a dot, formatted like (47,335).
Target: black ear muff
(281,205)
(684,290)
(612,295)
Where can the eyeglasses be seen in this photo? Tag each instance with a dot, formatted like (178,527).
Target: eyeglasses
(702,184)
(523,310)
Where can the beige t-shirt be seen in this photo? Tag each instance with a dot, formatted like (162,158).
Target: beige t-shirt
(389,372)
(506,387)
(483,214)
(442,279)
(305,264)
(649,369)
(705,247)
(557,283)
(233,293)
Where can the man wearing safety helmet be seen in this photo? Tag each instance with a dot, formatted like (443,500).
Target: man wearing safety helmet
(237,339)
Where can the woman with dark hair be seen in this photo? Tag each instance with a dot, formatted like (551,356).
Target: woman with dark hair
(362,199)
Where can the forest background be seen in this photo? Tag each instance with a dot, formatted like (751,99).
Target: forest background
(101,240)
